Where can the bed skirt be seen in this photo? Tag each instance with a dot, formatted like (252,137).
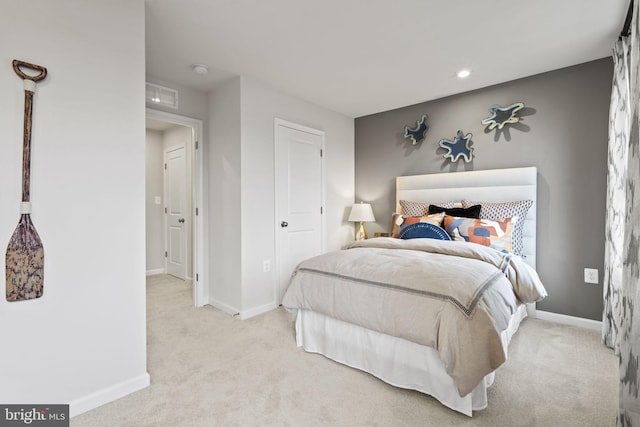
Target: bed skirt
(395,361)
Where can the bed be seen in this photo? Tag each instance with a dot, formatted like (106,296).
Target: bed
(466,319)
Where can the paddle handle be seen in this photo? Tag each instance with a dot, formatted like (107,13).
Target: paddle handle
(18,65)
(29,88)
(26,146)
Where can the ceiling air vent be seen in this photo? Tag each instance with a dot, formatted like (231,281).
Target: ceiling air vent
(160,95)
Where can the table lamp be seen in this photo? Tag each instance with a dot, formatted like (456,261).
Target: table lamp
(361,212)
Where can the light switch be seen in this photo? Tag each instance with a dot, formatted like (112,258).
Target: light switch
(158,200)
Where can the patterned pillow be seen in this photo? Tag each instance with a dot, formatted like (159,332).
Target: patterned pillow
(495,234)
(420,208)
(398,220)
(423,230)
(493,210)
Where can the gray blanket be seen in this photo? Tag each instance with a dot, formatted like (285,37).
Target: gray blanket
(455,297)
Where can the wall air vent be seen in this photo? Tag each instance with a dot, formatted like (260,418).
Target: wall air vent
(160,95)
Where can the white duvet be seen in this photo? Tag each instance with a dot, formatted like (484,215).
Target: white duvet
(455,297)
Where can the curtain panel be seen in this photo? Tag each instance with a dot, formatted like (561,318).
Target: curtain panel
(619,115)
(621,325)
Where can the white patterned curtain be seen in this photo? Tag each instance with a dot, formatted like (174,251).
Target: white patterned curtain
(629,413)
(616,183)
(621,325)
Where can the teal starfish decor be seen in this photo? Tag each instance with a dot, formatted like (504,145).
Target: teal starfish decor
(501,116)
(417,134)
(459,147)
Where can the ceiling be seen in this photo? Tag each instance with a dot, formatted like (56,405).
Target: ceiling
(360,57)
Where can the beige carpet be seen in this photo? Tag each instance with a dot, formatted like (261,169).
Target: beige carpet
(209,369)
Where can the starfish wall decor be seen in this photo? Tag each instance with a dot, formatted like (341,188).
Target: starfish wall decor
(501,116)
(417,134)
(459,147)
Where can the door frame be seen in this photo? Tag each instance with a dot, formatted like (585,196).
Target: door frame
(278,292)
(199,201)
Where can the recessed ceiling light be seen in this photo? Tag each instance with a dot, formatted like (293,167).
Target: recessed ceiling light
(463,74)
(200,69)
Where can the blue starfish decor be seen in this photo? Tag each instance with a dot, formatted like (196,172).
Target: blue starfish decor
(417,135)
(501,116)
(459,147)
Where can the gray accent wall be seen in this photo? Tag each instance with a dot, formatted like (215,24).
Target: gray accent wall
(563,132)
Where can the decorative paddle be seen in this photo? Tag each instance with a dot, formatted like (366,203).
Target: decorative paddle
(25,254)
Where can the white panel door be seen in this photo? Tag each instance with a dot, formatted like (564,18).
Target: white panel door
(176,204)
(299,204)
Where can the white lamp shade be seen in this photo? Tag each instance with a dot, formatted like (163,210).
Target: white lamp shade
(361,212)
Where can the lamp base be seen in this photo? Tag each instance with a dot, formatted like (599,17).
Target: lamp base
(361,234)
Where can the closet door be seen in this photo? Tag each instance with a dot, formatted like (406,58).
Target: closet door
(299,198)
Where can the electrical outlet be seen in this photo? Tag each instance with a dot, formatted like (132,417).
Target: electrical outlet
(266,265)
(591,275)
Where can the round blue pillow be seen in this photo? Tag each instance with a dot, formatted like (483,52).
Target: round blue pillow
(422,230)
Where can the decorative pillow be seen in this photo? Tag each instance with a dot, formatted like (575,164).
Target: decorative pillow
(493,210)
(496,234)
(420,208)
(398,220)
(465,211)
(423,230)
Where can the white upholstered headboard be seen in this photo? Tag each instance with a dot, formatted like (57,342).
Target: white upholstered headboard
(497,185)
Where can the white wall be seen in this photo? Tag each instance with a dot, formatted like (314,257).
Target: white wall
(154,213)
(84,340)
(260,106)
(251,211)
(223,166)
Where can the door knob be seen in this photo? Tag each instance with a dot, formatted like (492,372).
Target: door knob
(181,220)
(284,224)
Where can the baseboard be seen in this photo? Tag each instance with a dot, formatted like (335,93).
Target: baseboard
(109,394)
(569,320)
(155,271)
(222,306)
(246,314)
(243,314)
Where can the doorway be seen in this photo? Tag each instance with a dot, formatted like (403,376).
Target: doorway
(174,200)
